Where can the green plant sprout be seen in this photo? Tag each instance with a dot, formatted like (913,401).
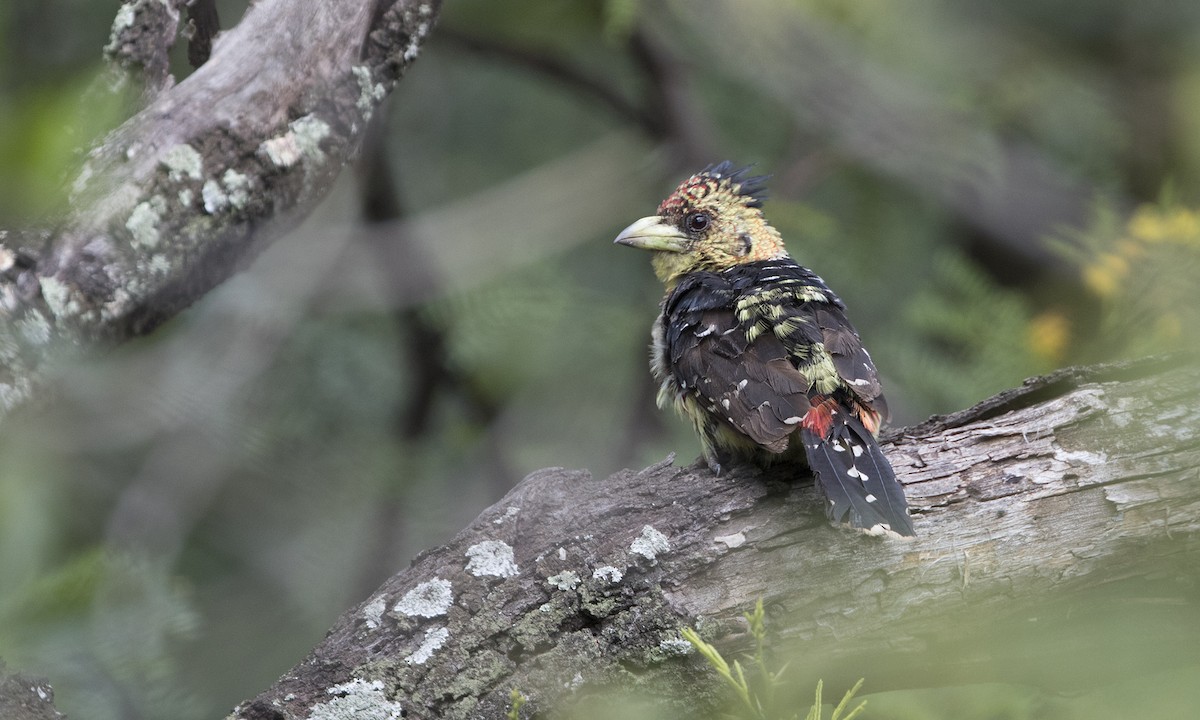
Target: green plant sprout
(757,697)
(517,701)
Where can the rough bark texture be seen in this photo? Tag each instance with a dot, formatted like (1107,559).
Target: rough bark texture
(26,698)
(573,583)
(173,201)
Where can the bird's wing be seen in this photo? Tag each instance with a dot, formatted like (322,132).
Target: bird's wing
(852,361)
(810,322)
(752,384)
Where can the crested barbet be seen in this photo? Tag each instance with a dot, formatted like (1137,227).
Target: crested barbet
(757,351)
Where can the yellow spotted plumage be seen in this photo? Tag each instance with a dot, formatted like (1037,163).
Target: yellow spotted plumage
(757,351)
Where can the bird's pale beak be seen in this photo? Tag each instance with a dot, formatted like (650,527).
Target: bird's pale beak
(653,233)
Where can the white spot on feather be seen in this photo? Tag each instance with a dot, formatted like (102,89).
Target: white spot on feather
(793,420)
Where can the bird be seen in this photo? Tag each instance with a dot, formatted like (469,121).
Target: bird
(756,350)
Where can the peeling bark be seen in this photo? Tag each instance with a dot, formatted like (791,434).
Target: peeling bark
(572,583)
(186,191)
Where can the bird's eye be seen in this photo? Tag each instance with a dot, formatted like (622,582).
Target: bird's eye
(697,222)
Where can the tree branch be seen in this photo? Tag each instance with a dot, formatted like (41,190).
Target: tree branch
(572,583)
(26,698)
(186,191)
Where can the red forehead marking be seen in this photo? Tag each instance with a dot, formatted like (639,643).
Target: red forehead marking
(688,193)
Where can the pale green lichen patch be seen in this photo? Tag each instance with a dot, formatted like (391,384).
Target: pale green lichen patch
(650,543)
(13,395)
(429,599)
(232,191)
(491,557)
(373,612)
(435,638)
(34,327)
(303,139)
(675,646)
(509,512)
(237,186)
(186,196)
(126,14)
(565,580)
(357,700)
(158,264)
(214,197)
(414,44)
(608,573)
(120,300)
(58,297)
(143,221)
(370,93)
(183,161)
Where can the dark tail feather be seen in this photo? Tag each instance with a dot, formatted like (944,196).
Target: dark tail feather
(859,485)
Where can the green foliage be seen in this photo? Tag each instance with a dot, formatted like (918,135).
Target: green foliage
(1142,272)
(962,338)
(757,696)
(43,133)
(516,702)
(620,18)
(108,627)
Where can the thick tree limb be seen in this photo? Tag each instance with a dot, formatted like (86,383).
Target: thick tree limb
(173,201)
(572,582)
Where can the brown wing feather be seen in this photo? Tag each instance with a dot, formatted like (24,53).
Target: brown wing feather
(753,386)
(851,360)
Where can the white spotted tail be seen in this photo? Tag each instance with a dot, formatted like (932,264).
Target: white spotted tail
(859,485)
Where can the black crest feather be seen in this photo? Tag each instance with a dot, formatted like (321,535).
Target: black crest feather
(754,187)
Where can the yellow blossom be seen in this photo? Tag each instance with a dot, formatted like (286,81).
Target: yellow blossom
(1102,281)
(1048,335)
(1183,226)
(1117,264)
(1147,225)
(1104,276)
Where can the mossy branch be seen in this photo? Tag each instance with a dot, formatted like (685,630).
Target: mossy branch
(186,191)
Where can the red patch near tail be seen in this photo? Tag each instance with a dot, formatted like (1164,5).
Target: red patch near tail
(819,419)
(869,418)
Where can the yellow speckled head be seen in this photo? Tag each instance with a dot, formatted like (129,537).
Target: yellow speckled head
(712,221)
